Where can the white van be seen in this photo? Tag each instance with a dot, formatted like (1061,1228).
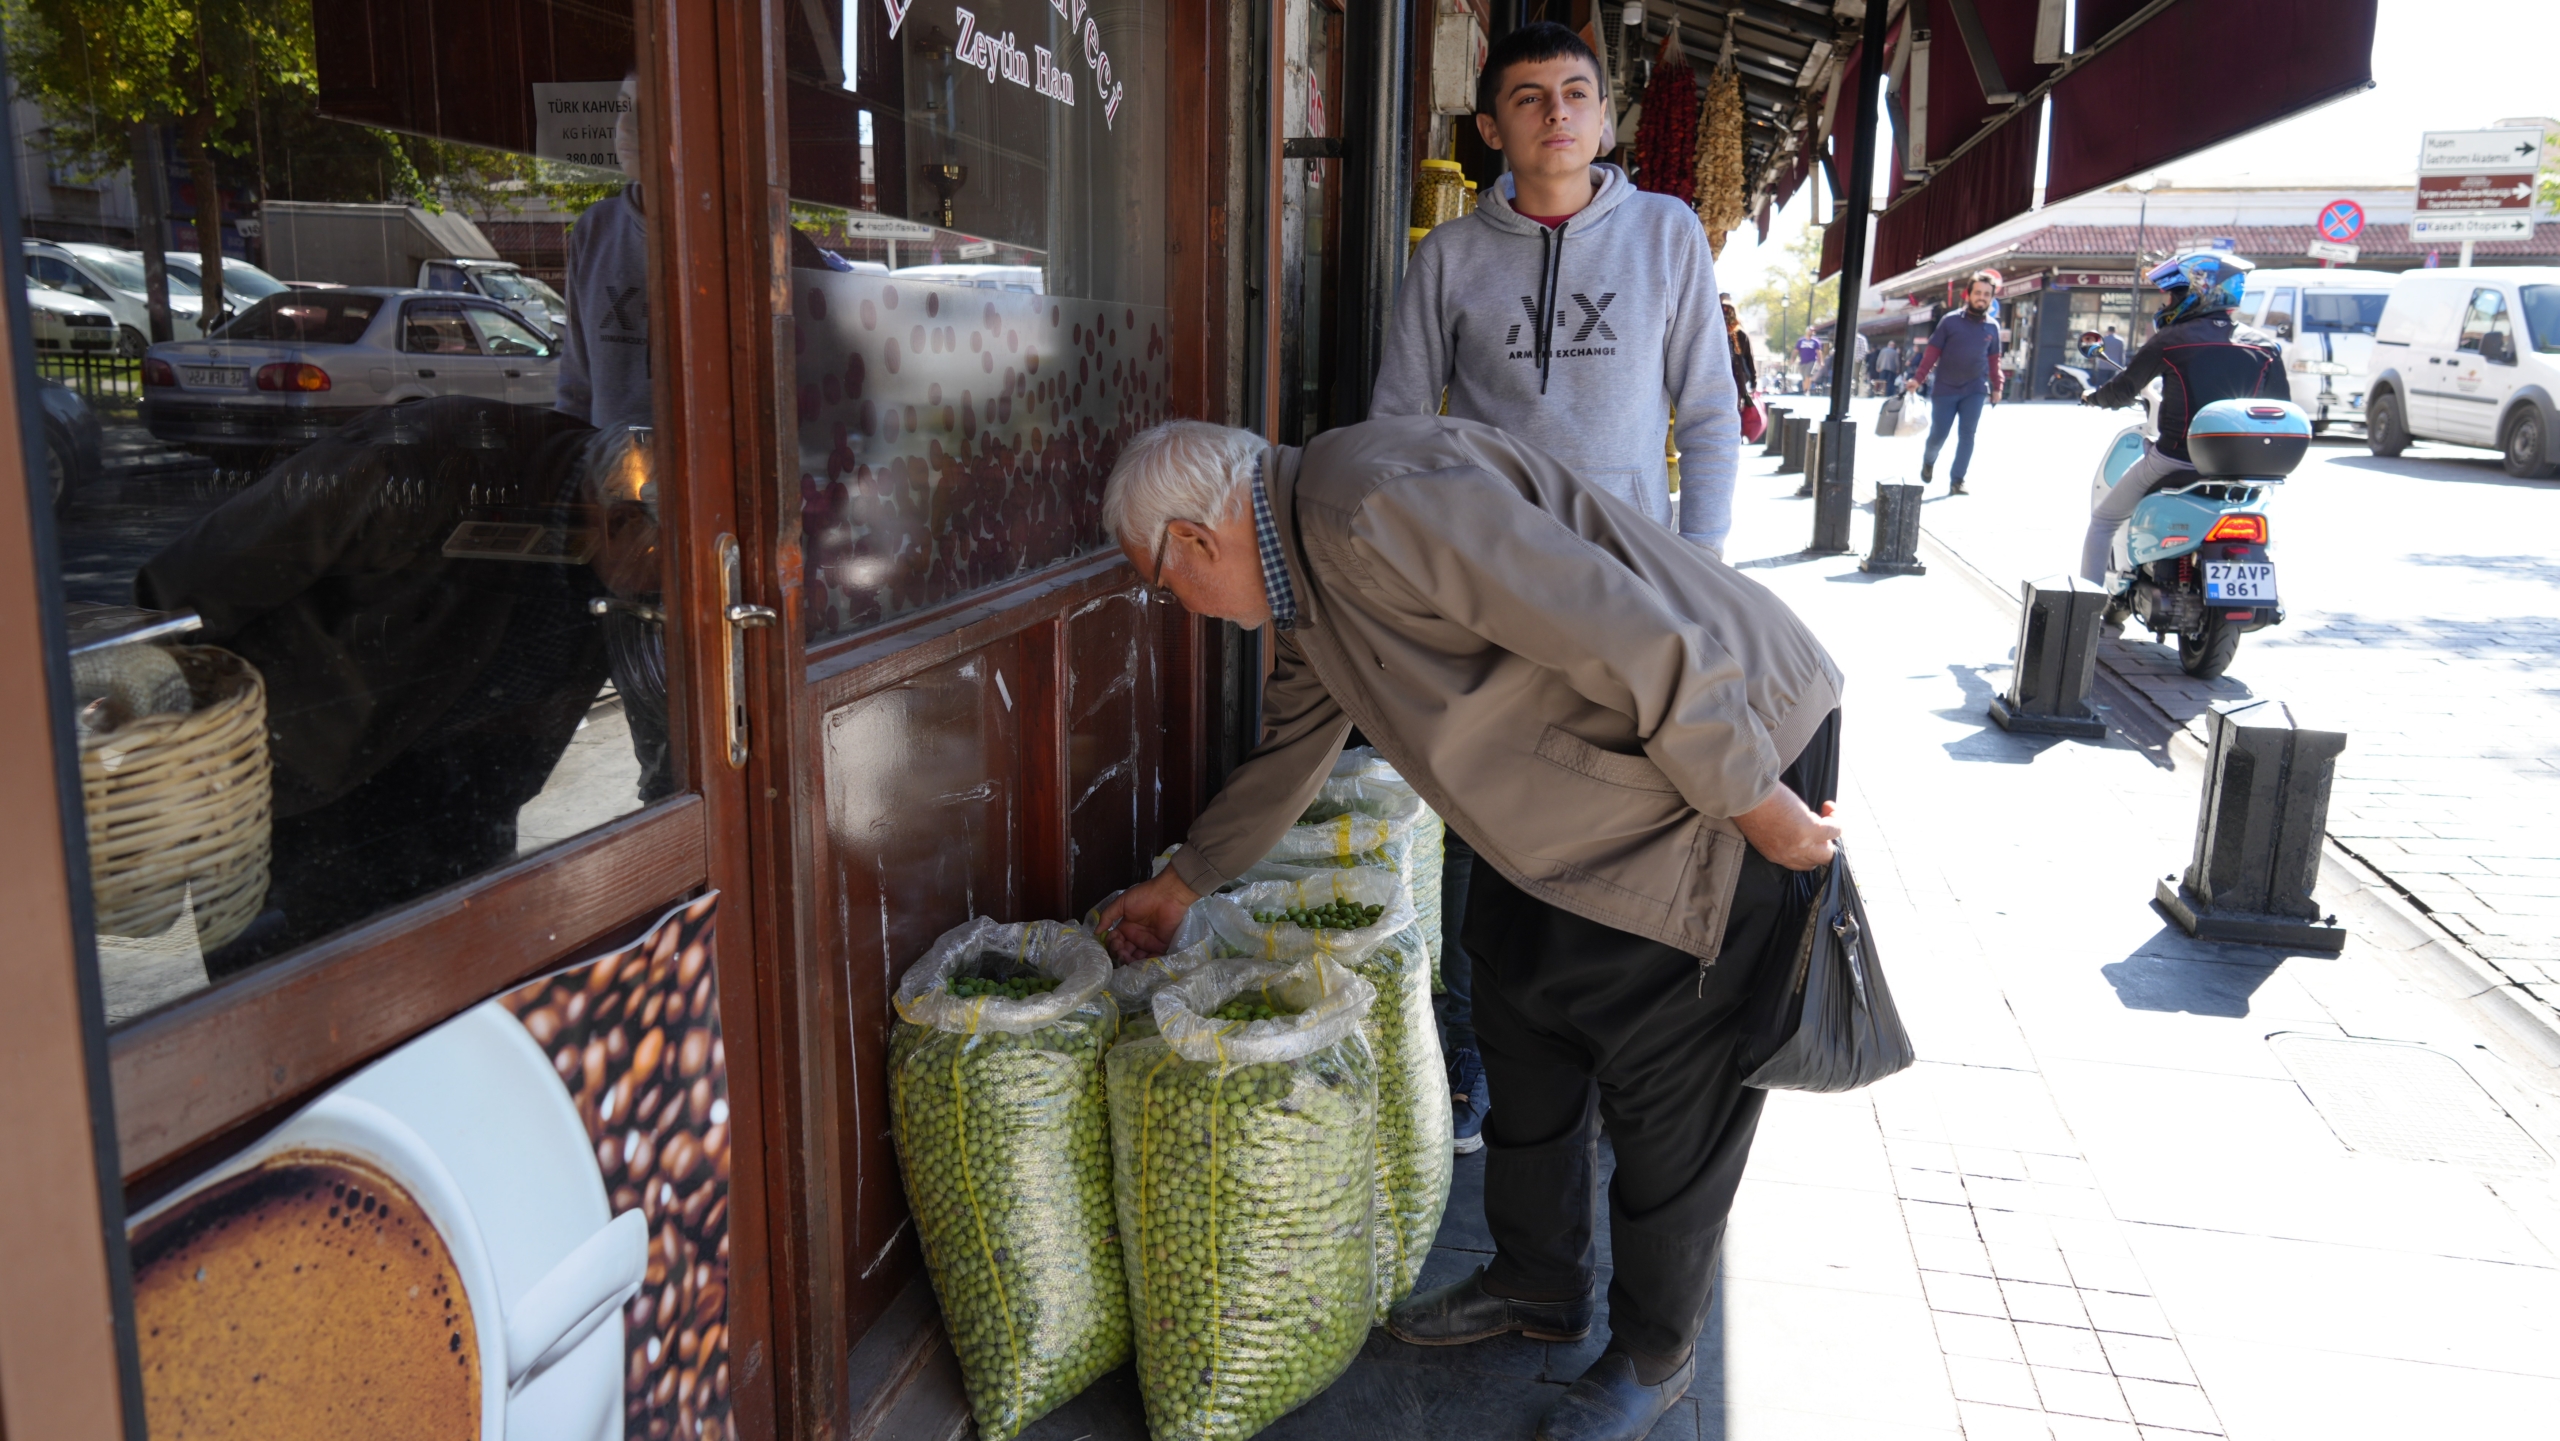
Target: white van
(2471,356)
(2326,319)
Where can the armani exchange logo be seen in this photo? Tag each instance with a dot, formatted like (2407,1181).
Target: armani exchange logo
(1591,324)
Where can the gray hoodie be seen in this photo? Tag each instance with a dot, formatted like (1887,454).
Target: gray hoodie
(604,365)
(1635,333)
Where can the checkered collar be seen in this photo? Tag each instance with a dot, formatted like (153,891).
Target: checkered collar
(1275,565)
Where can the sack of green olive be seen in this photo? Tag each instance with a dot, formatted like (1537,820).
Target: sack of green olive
(997,1107)
(1365,814)
(1133,987)
(1242,1161)
(1362,919)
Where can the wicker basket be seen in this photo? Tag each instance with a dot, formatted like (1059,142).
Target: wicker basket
(181,805)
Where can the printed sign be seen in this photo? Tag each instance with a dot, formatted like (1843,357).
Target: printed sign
(2511,225)
(1038,70)
(573,121)
(2439,194)
(514,1225)
(2331,250)
(2513,148)
(2341,221)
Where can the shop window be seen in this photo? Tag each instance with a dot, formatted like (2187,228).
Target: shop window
(360,583)
(978,289)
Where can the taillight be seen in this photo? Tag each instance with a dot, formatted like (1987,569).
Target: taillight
(2239,527)
(156,371)
(292,375)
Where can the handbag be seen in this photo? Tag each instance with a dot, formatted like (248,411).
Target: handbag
(1889,419)
(1754,423)
(1833,1026)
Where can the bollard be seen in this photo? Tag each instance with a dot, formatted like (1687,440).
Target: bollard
(2258,832)
(1773,437)
(1791,453)
(1812,454)
(1896,547)
(1832,480)
(2057,659)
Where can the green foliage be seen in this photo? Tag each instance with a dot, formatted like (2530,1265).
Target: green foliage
(100,67)
(1787,300)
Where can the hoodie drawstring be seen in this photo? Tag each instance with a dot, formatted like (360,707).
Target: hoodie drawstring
(1550,278)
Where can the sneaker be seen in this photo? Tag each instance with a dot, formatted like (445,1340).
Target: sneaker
(1955,487)
(1928,471)
(1468,1102)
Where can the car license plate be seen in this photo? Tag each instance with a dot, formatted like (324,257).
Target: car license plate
(2253,581)
(202,377)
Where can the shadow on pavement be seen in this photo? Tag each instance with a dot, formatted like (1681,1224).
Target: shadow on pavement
(1988,743)
(2172,971)
(2461,470)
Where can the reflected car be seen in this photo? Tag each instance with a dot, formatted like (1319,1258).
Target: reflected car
(1020,279)
(114,279)
(243,284)
(68,324)
(503,281)
(74,442)
(300,363)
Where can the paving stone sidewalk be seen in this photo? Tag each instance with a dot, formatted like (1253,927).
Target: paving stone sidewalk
(2414,624)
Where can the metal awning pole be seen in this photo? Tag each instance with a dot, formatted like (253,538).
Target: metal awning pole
(1834,489)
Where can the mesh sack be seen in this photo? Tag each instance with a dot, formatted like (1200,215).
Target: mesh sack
(1003,1132)
(1414,1159)
(1241,1160)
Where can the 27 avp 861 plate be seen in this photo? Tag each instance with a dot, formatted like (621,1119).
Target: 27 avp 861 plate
(2237,581)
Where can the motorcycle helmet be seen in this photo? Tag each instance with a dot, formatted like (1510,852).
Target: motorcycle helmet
(2199,282)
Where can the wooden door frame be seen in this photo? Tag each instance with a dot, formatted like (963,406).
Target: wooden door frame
(65,1368)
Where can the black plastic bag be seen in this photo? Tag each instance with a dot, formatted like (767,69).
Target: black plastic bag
(1833,1026)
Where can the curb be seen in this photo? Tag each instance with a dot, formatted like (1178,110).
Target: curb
(2414,943)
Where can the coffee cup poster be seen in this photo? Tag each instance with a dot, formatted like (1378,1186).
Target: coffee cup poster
(515,1225)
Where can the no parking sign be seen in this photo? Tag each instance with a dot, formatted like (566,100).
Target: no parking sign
(2341,221)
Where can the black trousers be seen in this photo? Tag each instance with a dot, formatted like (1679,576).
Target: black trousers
(1456,1002)
(1583,1026)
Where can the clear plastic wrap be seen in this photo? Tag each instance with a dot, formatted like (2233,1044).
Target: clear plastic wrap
(1242,1160)
(1421,860)
(1414,1159)
(1003,1131)
(1134,986)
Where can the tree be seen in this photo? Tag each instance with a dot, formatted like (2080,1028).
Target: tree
(101,67)
(1787,300)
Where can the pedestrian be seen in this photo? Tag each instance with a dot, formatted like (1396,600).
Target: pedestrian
(1889,367)
(1639,742)
(1623,344)
(1964,353)
(1746,370)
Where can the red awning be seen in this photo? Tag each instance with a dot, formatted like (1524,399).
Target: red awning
(2150,81)
(2178,83)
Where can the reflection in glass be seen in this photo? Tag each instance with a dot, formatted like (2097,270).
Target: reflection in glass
(365,581)
(978,290)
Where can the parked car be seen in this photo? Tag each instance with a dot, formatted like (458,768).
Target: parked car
(2326,319)
(74,442)
(2470,356)
(503,281)
(1021,279)
(243,284)
(300,363)
(68,324)
(113,278)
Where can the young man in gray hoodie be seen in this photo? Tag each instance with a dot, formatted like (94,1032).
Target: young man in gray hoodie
(1579,314)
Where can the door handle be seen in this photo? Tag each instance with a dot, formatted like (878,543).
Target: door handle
(515,375)
(742,617)
(426,374)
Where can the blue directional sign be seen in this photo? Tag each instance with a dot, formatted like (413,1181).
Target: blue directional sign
(2341,222)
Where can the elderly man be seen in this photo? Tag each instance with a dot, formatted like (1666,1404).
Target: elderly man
(1638,741)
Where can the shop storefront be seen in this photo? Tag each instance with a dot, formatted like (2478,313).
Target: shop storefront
(505,748)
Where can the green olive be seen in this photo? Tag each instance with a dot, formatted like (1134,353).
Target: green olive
(1246,1195)
(1004,1140)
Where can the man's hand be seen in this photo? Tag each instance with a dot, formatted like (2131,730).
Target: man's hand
(1140,921)
(1782,829)
(1909,386)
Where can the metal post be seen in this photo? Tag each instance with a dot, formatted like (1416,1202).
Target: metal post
(1773,436)
(1895,549)
(2466,253)
(2057,660)
(1835,481)
(2259,830)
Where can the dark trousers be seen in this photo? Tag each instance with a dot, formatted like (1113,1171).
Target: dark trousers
(1583,1026)
(1456,1002)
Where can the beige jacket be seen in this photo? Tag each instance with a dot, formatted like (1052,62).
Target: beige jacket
(1584,696)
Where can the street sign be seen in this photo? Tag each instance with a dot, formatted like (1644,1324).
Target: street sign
(864,225)
(2331,250)
(2222,242)
(2341,221)
(2438,194)
(2450,152)
(2512,225)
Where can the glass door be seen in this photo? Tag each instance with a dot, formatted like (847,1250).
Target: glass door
(410,695)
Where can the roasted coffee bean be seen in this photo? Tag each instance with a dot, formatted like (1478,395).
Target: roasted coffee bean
(646,1056)
(695,1053)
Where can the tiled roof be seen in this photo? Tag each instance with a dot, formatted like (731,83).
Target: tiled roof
(2112,246)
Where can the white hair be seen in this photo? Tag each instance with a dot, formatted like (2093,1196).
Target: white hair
(1180,470)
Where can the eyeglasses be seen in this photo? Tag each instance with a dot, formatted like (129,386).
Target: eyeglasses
(1164,537)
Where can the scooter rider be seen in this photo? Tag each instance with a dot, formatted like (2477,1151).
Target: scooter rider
(2200,355)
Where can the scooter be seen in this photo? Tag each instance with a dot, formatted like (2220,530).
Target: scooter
(2193,560)
(2068,382)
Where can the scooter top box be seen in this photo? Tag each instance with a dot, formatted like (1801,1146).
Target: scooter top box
(2255,439)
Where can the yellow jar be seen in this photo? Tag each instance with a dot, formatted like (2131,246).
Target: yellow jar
(1439,193)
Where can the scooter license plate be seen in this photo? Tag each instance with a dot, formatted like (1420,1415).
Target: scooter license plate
(2233,581)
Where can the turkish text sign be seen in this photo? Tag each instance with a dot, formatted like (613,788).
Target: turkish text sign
(2514,148)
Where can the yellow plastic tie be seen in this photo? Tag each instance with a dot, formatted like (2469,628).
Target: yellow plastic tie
(978,1219)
